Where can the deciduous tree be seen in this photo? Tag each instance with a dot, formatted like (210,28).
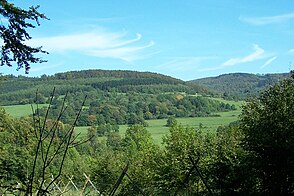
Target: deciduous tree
(268,125)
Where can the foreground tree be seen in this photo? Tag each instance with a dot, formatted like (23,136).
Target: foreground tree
(14,35)
(17,141)
(228,167)
(175,175)
(268,125)
(142,155)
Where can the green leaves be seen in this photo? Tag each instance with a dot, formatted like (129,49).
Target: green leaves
(16,145)
(267,123)
(14,36)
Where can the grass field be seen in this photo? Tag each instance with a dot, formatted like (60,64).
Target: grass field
(238,104)
(158,129)
(18,111)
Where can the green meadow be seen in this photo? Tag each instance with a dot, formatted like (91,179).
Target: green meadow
(18,111)
(157,128)
(238,104)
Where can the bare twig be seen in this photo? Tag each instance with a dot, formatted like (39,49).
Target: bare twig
(67,145)
(31,180)
(45,149)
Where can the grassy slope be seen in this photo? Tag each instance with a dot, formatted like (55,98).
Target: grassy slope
(238,104)
(18,111)
(158,129)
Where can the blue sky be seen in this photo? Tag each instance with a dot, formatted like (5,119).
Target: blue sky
(185,39)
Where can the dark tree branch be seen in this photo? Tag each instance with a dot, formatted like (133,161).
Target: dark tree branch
(15,35)
(47,151)
(68,142)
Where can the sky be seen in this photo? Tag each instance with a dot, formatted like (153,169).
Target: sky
(185,39)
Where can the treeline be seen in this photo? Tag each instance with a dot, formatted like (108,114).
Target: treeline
(109,73)
(131,108)
(130,82)
(253,156)
(22,90)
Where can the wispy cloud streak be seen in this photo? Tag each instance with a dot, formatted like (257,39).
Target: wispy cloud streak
(176,64)
(124,53)
(257,54)
(99,44)
(42,67)
(267,19)
(291,51)
(269,61)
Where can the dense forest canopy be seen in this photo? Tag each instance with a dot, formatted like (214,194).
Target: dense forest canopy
(91,80)
(113,97)
(239,85)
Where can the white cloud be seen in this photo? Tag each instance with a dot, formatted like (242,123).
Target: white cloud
(124,53)
(97,43)
(42,67)
(257,54)
(176,64)
(269,61)
(267,19)
(210,68)
(291,51)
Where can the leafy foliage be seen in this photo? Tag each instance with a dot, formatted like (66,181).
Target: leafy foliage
(118,97)
(267,123)
(22,89)
(17,145)
(253,156)
(14,36)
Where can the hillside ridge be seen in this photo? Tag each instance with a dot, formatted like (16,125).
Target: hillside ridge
(239,85)
(16,89)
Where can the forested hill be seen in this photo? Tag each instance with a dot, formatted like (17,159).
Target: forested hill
(113,97)
(239,85)
(21,90)
(112,73)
